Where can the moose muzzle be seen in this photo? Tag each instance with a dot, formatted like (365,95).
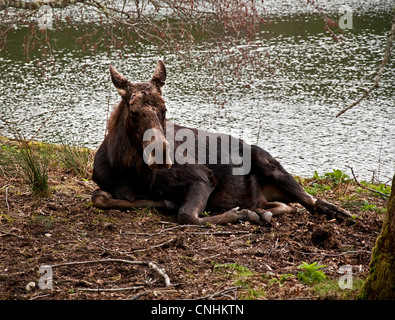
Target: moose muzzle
(156,150)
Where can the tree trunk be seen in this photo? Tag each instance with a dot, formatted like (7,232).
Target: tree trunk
(380,283)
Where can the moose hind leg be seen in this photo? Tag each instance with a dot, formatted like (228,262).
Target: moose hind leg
(277,184)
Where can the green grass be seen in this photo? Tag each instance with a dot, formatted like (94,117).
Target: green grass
(76,159)
(32,160)
(34,168)
(330,289)
(242,276)
(235,269)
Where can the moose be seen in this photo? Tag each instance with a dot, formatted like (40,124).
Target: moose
(143,162)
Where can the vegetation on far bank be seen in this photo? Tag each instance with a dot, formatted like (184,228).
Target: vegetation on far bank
(47,218)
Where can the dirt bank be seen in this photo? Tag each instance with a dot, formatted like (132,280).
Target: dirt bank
(242,261)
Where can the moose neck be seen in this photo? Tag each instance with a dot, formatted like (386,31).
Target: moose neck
(125,151)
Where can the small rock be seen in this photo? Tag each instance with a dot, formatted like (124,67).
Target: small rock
(30,286)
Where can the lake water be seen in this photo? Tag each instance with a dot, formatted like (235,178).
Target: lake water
(287,105)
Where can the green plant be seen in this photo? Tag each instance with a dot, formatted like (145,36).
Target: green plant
(383,191)
(280,281)
(39,219)
(253,294)
(235,268)
(316,176)
(34,167)
(75,159)
(26,159)
(368,207)
(7,154)
(311,273)
(316,188)
(337,176)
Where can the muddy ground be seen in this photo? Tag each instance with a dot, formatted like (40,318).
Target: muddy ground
(240,261)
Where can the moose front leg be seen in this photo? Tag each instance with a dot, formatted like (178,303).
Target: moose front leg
(195,203)
(103,200)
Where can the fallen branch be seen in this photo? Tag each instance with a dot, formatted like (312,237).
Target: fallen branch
(138,250)
(178,226)
(6,199)
(109,289)
(33,5)
(138,295)
(150,264)
(334,254)
(365,187)
(152,247)
(10,234)
(222,233)
(220,293)
(380,70)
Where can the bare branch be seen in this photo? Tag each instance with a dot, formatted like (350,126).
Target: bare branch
(379,71)
(329,23)
(220,293)
(364,187)
(150,264)
(19,4)
(109,289)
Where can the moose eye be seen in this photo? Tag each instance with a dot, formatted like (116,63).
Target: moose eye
(132,97)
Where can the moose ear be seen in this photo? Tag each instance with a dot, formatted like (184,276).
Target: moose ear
(159,76)
(119,81)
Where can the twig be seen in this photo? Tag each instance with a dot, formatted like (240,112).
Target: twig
(178,226)
(137,250)
(109,289)
(108,109)
(328,22)
(364,187)
(333,254)
(219,293)
(6,199)
(379,71)
(150,264)
(222,233)
(152,247)
(10,234)
(138,295)
(154,267)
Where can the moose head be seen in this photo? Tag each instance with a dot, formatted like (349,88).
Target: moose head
(145,120)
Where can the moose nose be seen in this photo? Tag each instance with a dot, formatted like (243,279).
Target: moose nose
(155,165)
(159,155)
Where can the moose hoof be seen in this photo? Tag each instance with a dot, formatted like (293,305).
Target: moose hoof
(100,199)
(169,205)
(245,215)
(330,210)
(267,216)
(250,216)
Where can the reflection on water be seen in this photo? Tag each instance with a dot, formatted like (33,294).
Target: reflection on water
(286,105)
